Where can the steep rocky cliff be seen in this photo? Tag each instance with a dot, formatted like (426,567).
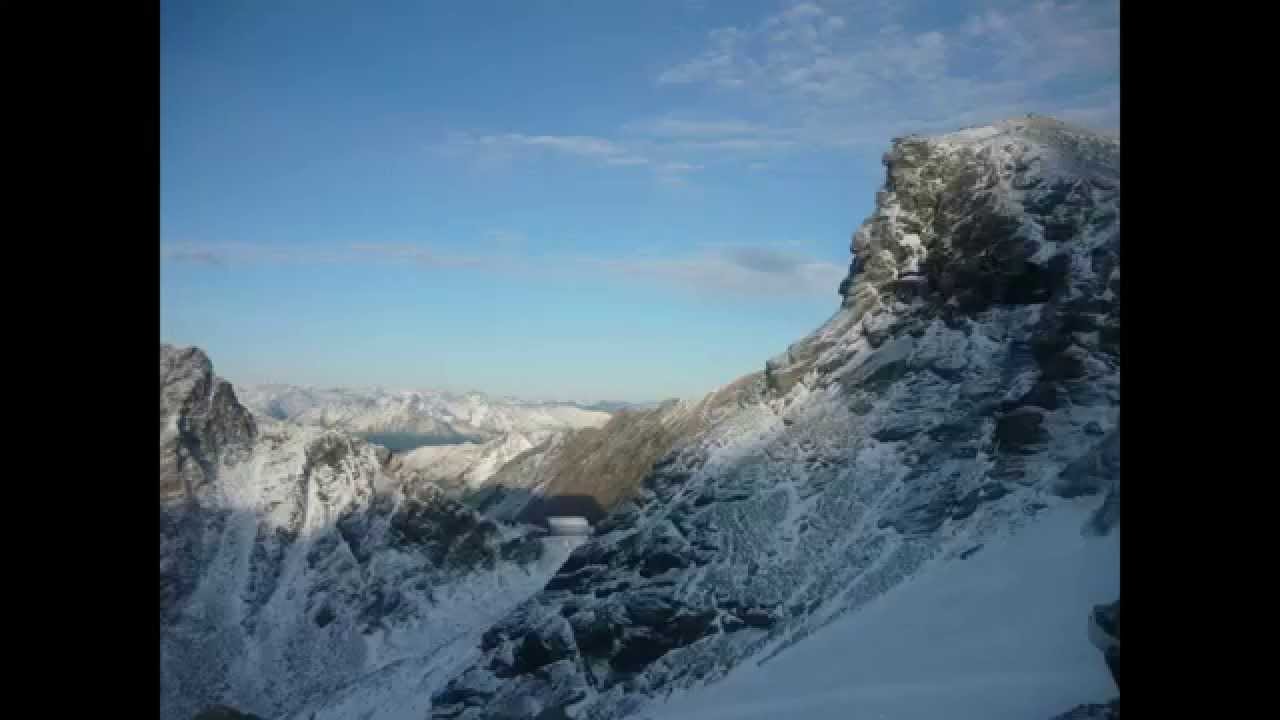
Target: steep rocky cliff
(292,565)
(968,385)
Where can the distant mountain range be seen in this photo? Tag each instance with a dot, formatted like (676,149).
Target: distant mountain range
(612,406)
(453,417)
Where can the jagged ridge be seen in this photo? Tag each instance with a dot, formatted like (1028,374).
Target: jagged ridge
(971,371)
(293,565)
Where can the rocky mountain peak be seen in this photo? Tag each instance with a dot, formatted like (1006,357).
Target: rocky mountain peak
(1019,213)
(982,215)
(293,564)
(200,420)
(968,384)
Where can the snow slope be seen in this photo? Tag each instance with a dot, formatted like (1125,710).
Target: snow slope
(402,689)
(995,636)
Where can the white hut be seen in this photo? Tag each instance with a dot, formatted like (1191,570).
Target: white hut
(567,525)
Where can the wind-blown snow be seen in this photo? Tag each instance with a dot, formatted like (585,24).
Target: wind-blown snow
(999,635)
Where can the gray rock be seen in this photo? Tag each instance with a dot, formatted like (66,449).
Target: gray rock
(1093,472)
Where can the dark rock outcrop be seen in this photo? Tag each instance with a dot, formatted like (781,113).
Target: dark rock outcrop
(1104,631)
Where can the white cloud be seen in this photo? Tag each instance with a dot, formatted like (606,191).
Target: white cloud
(584,146)
(727,270)
(490,150)
(734,271)
(679,167)
(844,74)
(820,66)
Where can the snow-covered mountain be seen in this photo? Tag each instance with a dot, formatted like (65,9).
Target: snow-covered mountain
(466,468)
(589,472)
(298,575)
(447,416)
(912,512)
(954,424)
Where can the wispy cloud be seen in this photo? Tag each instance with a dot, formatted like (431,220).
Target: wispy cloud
(830,75)
(830,65)
(666,146)
(751,271)
(199,257)
(506,147)
(720,271)
(427,257)
(229,254)
(693,136)
(584,146)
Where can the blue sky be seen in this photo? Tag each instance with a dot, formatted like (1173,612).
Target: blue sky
(559,198)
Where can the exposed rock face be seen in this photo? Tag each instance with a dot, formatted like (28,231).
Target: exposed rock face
(199,420)
(588,472)
(291,564)
(969,381)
